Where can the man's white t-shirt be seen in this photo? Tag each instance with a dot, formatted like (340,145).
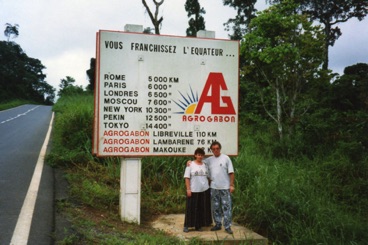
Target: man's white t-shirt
(198,175)
(219,169)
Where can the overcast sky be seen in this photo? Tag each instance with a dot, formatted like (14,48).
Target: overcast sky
(62,33)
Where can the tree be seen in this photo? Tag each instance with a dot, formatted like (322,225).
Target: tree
(148,30)
(65,82)
(11,30)
(67,87)
(197,23)
(33,80)
(49,93)
(329,13)
(154,17)
(350,91)
(283,53)
(21,77)
(91,74)
(342,124)
(245,13)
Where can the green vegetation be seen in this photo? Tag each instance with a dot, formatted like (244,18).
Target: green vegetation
(21,77)
(291,199)
(13,103)
(299,201)
(196,23)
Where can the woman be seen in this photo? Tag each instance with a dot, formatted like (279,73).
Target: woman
(198,206)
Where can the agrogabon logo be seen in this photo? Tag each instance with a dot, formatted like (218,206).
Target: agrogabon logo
(222,108)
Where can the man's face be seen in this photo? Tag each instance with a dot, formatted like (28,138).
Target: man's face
(216,150)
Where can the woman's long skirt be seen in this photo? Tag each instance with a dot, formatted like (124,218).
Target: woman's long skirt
(198,210)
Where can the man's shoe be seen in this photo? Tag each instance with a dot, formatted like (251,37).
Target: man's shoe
(216,228)
(186,229)
(228,230)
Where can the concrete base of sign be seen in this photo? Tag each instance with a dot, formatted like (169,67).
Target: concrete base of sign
(133,28)
(206,34)
(173,224)
(130,190)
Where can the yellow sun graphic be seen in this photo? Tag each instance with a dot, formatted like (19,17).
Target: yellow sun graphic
(188,103)
(190,109)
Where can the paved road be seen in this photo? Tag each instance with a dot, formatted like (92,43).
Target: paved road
(22,134)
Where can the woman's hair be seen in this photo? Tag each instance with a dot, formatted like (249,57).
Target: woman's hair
(199,151)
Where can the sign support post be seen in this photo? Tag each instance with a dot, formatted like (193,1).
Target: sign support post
(130,190)
(130,175)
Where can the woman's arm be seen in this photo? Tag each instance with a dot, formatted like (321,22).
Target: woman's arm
(187,184)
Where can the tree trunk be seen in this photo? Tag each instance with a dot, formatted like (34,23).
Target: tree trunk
(154,18)
(279,111)
(327,45)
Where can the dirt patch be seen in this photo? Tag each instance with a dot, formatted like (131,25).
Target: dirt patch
(173,225)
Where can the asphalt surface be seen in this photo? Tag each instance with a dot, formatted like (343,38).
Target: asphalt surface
(22,133)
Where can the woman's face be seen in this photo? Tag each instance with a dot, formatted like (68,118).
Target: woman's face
(199,157)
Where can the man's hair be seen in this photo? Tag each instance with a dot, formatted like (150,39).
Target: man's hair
(199,151)
(215,143)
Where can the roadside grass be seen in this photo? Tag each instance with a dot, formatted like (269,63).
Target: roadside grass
(13,103)
(289,201)
(298,201)
(292,205)
(163,185)
(98,226)
(72,132)
(93,203)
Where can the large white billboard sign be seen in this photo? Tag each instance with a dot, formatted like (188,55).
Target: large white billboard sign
(163,95)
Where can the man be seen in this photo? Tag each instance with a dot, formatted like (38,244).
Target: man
(221,172)
(222,177)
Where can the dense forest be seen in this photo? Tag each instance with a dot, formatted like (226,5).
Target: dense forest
(22,77)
